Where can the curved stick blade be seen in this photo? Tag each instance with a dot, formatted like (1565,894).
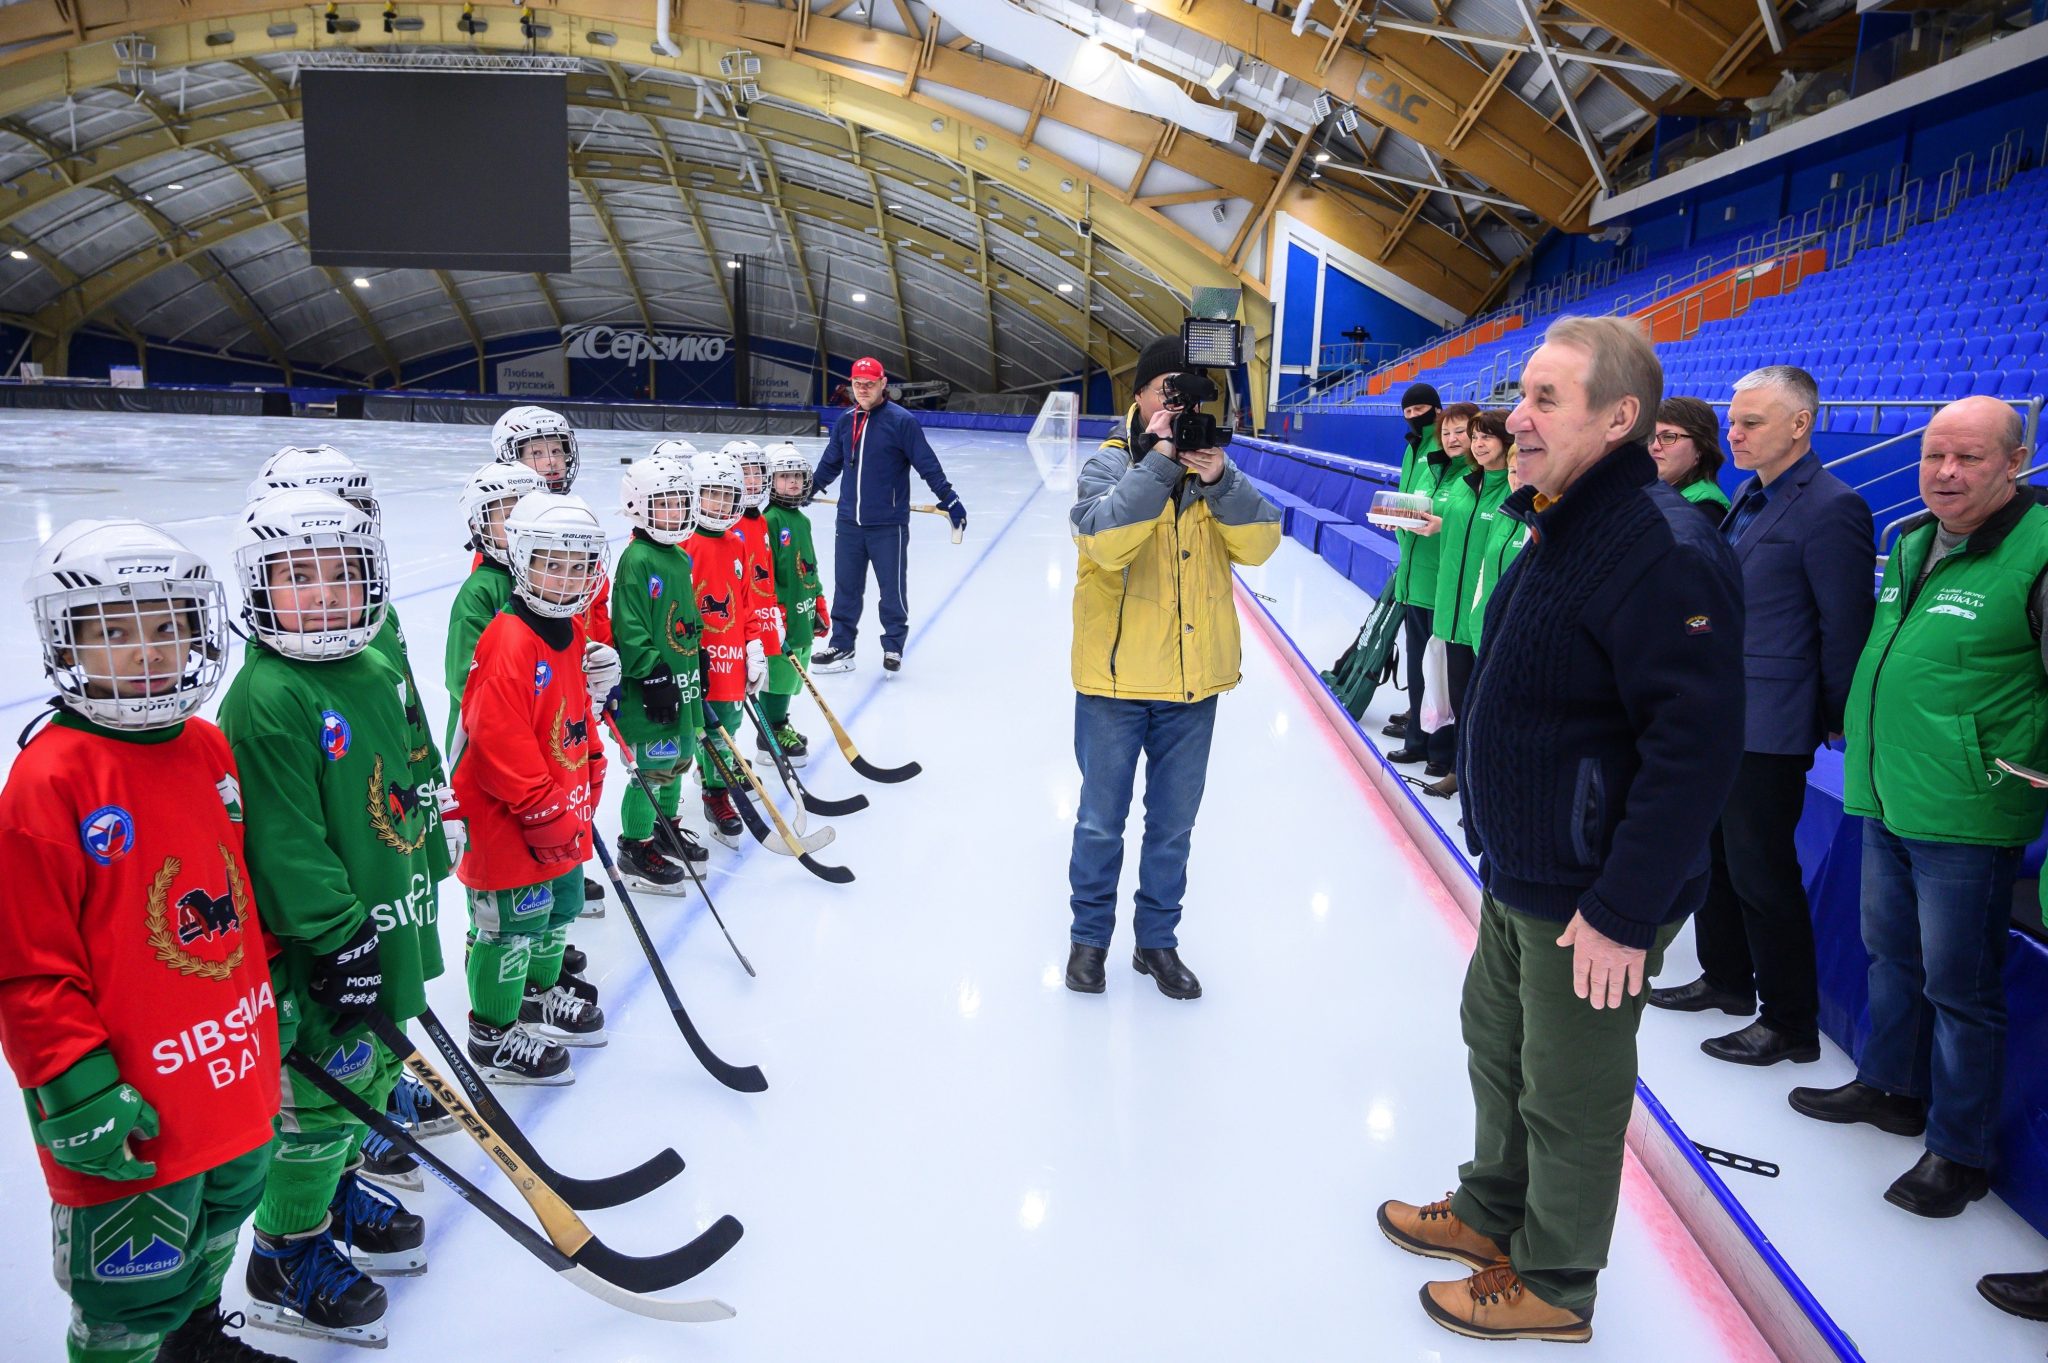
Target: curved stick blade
(642,1276)
(687,1312)
(887,776)
(837,875)
(833,808)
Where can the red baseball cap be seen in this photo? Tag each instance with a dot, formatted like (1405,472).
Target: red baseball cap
(867,367)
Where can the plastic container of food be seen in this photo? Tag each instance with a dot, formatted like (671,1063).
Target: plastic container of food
(1399,510)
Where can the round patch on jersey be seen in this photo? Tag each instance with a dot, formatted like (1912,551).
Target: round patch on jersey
(108,834)
(335,735)
(654,586)
(785,537)
(543,673)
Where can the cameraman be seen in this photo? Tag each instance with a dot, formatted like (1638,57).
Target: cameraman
(1155,642)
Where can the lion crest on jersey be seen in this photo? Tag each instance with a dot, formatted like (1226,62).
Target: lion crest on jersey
(715,608)
(203,920)
(389,809)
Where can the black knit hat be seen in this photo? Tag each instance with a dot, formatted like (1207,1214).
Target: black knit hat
(1163,356)
(1420,392)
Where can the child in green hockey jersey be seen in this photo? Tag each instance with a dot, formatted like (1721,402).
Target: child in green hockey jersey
(658,633)
(339,855)
(797,591)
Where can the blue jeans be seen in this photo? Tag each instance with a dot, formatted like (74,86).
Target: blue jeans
(1108,736)
(1935,920)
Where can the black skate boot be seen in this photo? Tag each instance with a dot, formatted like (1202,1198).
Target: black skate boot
(388,1166)
(892,662)
(796,749)
(833,660)
(204,1338)
(513,1055)
(304,1285)
(693,850)
(561,1016)
(644,868)
(580,987)
(375,1230)
(574,960)
(723,819)
(417,1110)
(593,899)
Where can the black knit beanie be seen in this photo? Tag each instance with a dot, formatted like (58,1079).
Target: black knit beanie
(1163,356)
(1420,392)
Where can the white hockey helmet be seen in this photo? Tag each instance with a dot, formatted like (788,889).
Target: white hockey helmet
(787,458)
(753,469)
(721,489)
(658,495)
(321,466)
(512,431)
(343,587)
(130,580)
(489,488)
(554,536)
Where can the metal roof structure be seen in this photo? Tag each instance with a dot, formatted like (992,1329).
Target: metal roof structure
(1005,222)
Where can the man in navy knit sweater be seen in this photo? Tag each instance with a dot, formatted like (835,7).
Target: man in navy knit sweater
(876,444)
(1595,757)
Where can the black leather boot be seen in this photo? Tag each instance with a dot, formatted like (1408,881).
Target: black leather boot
(1084,968)
(1938,1187)
(1700,996)
(2019,1294)
(1163,964)
(1762,1044)
(1859,1102)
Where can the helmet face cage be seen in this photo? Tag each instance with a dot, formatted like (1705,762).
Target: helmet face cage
(316,596)
(561,478)
(784,460)
(491,493)
(480,518)
(720,500)
(136,655)
(556,570)
(753,462)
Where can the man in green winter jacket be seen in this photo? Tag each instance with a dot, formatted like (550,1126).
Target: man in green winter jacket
(1954,678)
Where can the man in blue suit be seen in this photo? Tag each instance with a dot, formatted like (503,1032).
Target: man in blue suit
(1803,540)
(876,445)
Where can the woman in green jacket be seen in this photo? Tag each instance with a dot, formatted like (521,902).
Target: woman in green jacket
(1467,514)
(1687,448)
(1506,537)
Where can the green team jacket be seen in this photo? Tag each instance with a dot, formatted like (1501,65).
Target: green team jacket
(1472,506)
(655,624)
(1415,576)
(482,595)
(338,829)
(1506,537)
(428,774)
(796,567)
(1705,492)
(1951,681)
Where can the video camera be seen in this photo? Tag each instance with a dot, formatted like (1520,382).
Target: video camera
(1204,343)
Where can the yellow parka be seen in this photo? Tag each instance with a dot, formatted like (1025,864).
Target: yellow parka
(1154,618)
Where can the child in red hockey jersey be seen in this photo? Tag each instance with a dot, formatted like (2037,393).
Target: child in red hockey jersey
(738,639)
(136,1005)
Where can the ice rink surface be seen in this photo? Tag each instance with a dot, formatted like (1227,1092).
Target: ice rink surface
(956,1159)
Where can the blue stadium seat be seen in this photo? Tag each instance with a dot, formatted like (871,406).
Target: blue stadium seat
(1987,381)
(2000,347)
(1892,420)
(2019,383)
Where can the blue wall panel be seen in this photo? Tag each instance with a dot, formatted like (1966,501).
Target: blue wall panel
(1298,307)
(1349,302)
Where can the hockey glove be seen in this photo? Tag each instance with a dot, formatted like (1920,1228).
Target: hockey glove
(349,979)
(601,674)
(955,512)
(823,616)
(553,833)
(757,667)
(452,826)
(661,699)
(90,1134)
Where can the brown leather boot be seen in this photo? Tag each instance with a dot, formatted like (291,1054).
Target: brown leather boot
(1494,1304)
(1434,1233)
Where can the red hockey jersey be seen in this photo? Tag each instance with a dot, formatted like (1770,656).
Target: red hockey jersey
(761,574)
(719,570)
(528,743)
(129,924)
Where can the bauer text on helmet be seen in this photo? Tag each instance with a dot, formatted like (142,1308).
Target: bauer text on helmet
(557,550)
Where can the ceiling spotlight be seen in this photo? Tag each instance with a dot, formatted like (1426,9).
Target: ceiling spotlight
(360,282)
(981,144)
(860,298)
(1065,287)
(1315,175)
(18,254)
(174,187)
(938,125)
(732,264)
(1322,157)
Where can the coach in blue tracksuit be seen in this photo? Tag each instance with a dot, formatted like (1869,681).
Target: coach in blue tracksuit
(877,444)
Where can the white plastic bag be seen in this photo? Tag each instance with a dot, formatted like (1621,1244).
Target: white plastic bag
(1436,687)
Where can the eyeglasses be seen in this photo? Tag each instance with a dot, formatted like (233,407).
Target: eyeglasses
(1663,438)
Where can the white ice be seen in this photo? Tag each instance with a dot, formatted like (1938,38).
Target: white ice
(956,1158)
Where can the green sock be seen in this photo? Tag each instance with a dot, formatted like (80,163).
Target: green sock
(92,1342)
(636,815)
(498,966)
(774,709)
(670,796)
(304,1172)
(544,963)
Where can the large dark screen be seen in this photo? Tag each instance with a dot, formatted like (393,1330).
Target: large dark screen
(437,170)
